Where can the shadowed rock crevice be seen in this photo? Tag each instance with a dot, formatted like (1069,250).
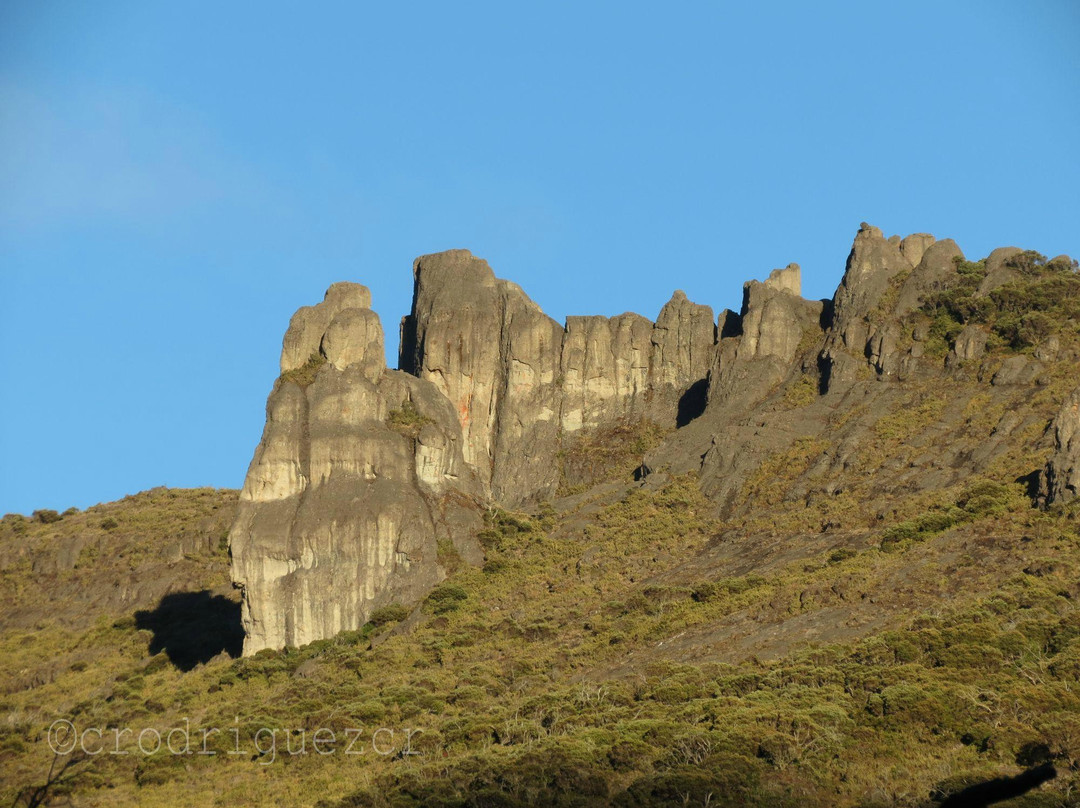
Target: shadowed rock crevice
(193,627)
(692,403)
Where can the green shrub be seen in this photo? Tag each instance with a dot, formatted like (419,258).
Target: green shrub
(47,516)
(801,393)
(306,373)
(597,455)
(490,539)
(407,421)
(447,555)
(446,598)
(990,498)
(394,613)
(843,554)
(922,527)
(715,590)
(108,523)
(1020,314)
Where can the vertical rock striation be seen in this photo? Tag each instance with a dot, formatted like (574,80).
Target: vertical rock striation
(519,381)
(494,354)
(357,477)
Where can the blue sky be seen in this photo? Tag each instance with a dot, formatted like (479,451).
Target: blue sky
(177,178)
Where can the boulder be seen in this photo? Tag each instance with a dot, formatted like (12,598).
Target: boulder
(1017,370)
(935,272)
(998,273)
(913,247)
(970,343)
(1060,480)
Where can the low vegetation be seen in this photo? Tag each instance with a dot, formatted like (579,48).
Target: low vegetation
(407,420)
(610,453)
(1042,300)
(542,679)
(866,626)
(304,375)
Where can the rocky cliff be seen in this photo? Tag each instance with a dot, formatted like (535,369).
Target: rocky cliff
(358,477)
(363,473)
(520,382)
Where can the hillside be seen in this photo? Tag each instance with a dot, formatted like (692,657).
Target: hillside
(826,554)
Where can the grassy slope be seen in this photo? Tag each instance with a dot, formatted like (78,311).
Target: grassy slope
(509,683)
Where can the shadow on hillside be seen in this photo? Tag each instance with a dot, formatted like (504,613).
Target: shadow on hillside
(1000,789)
(1031,483)
(193,627)
(693,401)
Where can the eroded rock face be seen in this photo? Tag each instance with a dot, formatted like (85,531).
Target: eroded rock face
(519,381)
(684,342)
(935,271)
(362,471)
(357,477)
(871,265)
(309,324)
(1060,480)
(495,355)
(998,272)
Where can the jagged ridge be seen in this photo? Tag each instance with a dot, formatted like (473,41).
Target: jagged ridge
(340,513)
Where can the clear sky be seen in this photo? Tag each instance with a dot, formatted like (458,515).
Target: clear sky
(176,178)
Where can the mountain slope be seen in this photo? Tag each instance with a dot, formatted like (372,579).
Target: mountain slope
(846,576)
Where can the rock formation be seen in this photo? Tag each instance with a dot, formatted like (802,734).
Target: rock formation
(1061,478)
(358,476)
(519,381)
(364,473)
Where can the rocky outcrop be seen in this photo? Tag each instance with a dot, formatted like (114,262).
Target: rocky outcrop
(788,279)
(605,370)
(774,320)
(363,473)
(914,247)
(309,324)
(998,271)
(358,476)
(684,341)
(871,265)
(774,323)
(520,382)
(885,280)
(935,272)
(495,355)
(1060,480)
